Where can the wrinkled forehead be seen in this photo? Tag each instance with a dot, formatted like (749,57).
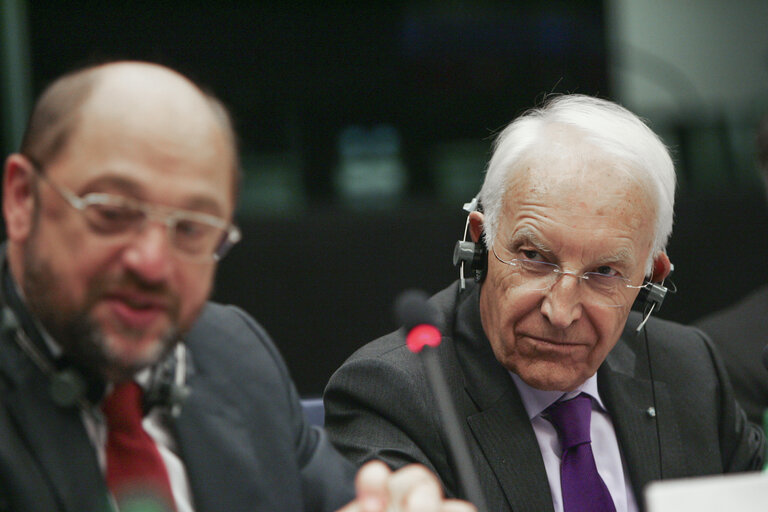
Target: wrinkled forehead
(586,182)
(583,204)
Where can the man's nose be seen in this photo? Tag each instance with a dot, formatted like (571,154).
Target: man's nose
(562,302)
(150,253)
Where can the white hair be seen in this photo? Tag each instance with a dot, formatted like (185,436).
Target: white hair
(609,129)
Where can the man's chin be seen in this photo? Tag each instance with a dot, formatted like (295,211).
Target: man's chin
(127,355)
(552,378)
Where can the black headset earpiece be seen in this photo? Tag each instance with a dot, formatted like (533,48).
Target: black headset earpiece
(651,295)
(650,298)
(167,386)
(68,386)
(470,256)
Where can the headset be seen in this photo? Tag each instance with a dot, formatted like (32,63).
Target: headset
(468,255)
(69,386)
(472,257)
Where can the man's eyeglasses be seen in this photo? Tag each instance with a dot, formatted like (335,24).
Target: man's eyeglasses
(197,236)
(599,288)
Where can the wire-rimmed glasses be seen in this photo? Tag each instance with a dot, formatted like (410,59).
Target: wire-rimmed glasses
(598,288)
(195,235)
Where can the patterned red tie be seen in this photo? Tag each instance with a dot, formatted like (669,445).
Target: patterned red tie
(135,471)
(583,489)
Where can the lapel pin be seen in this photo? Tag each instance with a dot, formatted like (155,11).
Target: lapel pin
(651,412)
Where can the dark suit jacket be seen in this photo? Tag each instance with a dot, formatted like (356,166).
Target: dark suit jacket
(241,432)
(378,405)
(740,332)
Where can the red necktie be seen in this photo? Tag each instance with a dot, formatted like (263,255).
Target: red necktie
(135,470)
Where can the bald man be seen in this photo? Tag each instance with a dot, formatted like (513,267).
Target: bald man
(120,384)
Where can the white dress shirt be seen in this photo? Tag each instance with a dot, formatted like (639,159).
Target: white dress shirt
(155,424)
(605,446)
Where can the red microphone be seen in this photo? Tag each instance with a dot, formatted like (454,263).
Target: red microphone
(422,336)
(420,319)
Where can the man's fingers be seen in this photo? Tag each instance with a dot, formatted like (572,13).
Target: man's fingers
(371,486)
(415,488)
(352,507)
(410,489)
(457,506)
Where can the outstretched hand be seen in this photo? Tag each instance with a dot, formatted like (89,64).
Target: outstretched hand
(410,489)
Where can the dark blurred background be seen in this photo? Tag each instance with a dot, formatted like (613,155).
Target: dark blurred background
(365,126)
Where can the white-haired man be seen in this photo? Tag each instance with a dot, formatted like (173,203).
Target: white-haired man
(565,406)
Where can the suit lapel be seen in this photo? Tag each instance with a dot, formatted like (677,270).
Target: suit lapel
(516,461)
(501,427)
(56,437)
(65,461)
(211,436)
(506,438)
(630,400)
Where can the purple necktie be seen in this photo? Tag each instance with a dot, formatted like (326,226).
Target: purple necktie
(583,489)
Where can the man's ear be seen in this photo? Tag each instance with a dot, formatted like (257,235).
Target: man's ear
(18,197)
(476,220)
(661,267)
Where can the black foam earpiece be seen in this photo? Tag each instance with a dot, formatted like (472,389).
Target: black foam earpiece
(67,387)
(652,294)
(167,387)
(472,257)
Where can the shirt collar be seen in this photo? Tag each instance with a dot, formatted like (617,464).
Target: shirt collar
(536,400)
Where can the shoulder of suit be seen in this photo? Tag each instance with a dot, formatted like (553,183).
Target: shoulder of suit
(392,345)
(227,330)
(225,319)
(667,336)
(749,314)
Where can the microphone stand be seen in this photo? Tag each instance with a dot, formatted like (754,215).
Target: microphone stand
(419,318)
(457,443)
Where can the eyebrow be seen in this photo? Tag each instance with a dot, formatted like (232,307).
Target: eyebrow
(132,189)
(527,236)
(622,256)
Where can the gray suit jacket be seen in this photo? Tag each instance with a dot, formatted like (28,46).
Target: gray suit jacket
(241,432)
(378,405)
(740,333)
